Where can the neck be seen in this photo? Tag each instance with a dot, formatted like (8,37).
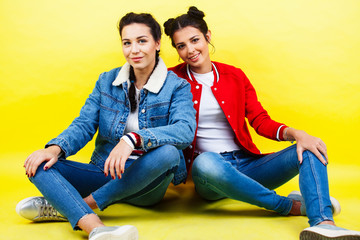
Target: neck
(142,76)
(203,68)
(141,80)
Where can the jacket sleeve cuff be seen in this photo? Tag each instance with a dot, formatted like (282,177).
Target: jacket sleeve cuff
(61,154)
(280,133)
(63,144)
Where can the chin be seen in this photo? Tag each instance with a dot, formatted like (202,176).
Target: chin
(138,65)
(194,64)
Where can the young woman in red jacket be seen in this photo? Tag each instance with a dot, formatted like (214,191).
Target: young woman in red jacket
(224,161)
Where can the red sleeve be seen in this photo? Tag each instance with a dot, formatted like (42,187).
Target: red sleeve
(258,117)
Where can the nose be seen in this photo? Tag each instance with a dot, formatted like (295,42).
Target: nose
(135,48)
(191,49)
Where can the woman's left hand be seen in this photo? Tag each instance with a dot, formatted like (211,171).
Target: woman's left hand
(305,142)
(115,163)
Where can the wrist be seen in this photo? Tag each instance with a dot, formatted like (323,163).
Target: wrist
(295,134)
(289,134)
(55,149)
(128,140)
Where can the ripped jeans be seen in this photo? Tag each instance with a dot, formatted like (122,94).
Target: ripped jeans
(143,183)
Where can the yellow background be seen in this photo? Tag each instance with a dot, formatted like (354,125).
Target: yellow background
(301,56)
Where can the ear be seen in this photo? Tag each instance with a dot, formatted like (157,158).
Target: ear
(208,36)
(158,45)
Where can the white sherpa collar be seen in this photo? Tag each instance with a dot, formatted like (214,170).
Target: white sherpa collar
(155,81)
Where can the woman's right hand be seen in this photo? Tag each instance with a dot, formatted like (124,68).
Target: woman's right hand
(50,155)
(305,142)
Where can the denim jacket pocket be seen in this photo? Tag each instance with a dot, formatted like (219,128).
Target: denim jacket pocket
(107,121)
(159,114)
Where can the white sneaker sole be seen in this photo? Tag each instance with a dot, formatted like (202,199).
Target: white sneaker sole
(316,233)
(126,232)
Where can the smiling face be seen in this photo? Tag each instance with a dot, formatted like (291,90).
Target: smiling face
(192,47)
(139,47)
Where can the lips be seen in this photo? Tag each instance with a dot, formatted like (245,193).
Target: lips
(136,59)
(194,58)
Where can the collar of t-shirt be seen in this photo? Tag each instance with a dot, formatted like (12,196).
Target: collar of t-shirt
(204,78)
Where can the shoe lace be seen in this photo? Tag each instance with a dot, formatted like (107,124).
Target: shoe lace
(47,211)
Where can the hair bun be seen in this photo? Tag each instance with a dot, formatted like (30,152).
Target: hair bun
(168,26)
(195,13)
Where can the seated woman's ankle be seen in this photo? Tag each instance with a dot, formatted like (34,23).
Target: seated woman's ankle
(327,222)
(295,209)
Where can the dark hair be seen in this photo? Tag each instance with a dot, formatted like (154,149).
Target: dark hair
(155,30)
(144,18)
(194,18)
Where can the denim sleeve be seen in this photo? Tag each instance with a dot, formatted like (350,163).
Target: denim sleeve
(83,128)
(181,127)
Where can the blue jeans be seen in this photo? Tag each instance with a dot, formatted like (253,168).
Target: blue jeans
(239,176)
(143,183)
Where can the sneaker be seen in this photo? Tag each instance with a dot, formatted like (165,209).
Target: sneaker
(38,209)
(296,195)
(126,232)
(326,231)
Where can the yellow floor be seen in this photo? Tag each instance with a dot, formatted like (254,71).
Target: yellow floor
(182,215)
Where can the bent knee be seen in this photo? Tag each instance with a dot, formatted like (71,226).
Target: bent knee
(168,154)
(309,156)
(206,164)
(41,174)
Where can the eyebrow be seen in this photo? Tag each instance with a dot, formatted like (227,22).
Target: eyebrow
(190,39)
(142,36)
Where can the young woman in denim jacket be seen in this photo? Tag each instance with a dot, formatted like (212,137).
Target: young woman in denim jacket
(224,160)
(144,116)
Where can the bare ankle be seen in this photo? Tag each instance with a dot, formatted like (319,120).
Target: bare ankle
(295,209)
(327,222)
(89,222)
(90,201)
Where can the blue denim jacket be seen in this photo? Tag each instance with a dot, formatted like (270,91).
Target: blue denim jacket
(166,116)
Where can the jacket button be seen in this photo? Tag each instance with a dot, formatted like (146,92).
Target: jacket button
(143,110)
(223,102)
(228,116)
(215,89)
(190,146)
(149,144)
(196,102)
(189,160)
(197,87)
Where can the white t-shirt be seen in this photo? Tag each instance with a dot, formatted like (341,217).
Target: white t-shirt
(132,123)
(214,132)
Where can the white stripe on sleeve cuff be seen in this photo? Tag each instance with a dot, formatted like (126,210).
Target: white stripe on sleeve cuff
(278,132)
